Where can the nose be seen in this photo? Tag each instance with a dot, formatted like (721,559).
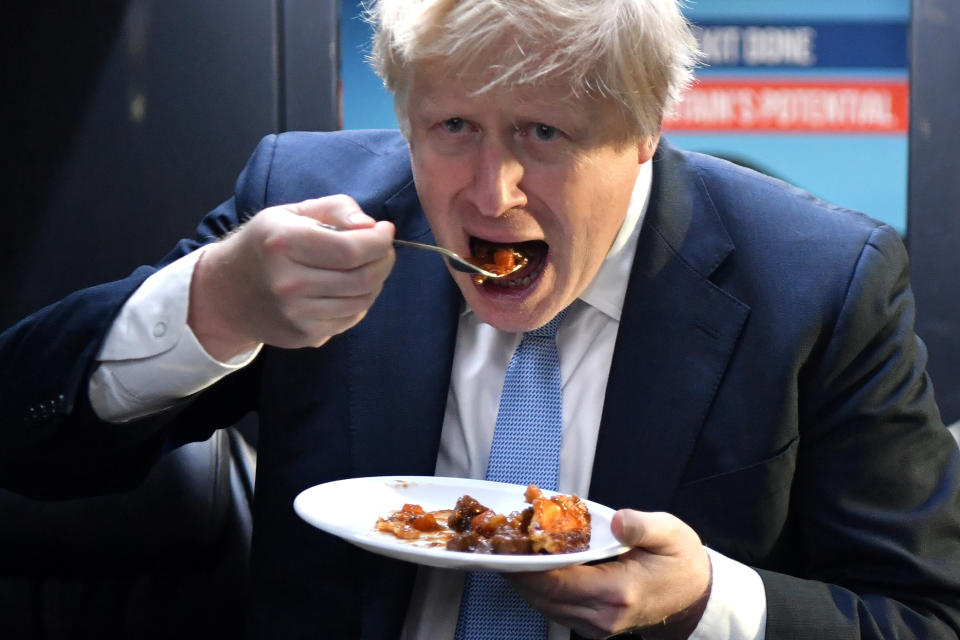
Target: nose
(497,174)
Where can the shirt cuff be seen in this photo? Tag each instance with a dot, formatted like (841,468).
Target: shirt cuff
(737,607)
(151,360)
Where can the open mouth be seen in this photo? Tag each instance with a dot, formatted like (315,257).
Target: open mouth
(519,263)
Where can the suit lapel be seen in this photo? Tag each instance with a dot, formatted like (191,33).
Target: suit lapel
(401,355)
(398,378)
(677,333)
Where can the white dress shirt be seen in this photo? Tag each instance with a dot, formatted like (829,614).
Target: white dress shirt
(151,360)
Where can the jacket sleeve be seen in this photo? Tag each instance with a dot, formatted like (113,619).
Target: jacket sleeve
(876,495)
(51,442)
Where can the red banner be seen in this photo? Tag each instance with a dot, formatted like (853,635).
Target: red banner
(765,104)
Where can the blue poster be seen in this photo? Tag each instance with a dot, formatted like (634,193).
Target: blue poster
(814,92)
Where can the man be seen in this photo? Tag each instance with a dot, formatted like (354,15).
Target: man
(740,374)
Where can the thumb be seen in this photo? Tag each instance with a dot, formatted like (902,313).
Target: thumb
(340,211)
(656,532)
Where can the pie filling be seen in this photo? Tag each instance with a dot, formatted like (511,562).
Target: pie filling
(519,263)
(555,524)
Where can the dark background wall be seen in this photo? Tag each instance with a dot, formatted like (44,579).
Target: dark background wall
(129,119)
(934,191)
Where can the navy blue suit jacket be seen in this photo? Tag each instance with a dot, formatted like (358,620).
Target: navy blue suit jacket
(767,388)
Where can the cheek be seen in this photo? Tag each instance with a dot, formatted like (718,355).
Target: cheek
(437,190)
(592,217)
(437,181)
(585,208)
(429,186)
(606,195)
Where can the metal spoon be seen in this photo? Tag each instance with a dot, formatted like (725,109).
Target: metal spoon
(458,263)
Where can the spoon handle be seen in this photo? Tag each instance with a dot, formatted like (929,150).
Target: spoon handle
(455,260)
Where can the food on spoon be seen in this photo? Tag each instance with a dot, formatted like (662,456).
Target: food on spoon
(500,259)
(555,524)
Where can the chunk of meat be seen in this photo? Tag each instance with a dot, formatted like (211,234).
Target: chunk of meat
(497,258)
(464,512)
(559,524)
(556,524)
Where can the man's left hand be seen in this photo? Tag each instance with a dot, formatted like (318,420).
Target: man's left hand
(660,586)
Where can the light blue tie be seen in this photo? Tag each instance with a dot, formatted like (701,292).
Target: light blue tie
(525,450)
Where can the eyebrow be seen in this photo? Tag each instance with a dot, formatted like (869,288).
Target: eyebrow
(574,119)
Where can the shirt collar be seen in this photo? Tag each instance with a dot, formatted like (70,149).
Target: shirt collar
(609,287)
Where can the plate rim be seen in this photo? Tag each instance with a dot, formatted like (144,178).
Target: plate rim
(443,558)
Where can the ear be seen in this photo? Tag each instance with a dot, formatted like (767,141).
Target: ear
(646,148)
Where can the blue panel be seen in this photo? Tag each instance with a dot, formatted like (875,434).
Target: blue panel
(854,10)
(811,45)
(867,173)
(855,39)
(366,104)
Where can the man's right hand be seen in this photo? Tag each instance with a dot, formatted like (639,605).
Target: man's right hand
(282,279)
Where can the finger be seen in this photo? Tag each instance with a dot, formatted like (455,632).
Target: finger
(315,310)
(655,532)
(560,587)
(300,281)
(305,333)
(330,319)
(319,248)
(583,598)
(339,210)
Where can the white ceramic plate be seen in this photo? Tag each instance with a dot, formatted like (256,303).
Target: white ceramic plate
(350,508)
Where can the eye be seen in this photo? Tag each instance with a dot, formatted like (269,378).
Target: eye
(538,131)
(545,132)
(454,125)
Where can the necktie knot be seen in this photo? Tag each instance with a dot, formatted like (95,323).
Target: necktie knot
(550,329)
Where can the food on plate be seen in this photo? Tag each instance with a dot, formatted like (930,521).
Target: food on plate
(411,522)
(560,524)
(554,524)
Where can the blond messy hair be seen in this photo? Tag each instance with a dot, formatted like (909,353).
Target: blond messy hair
(638,53)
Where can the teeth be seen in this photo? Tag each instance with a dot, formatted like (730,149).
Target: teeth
(508,283)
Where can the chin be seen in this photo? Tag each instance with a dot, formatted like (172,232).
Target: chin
(516,308)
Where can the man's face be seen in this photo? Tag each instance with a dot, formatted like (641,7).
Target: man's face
(531,169)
